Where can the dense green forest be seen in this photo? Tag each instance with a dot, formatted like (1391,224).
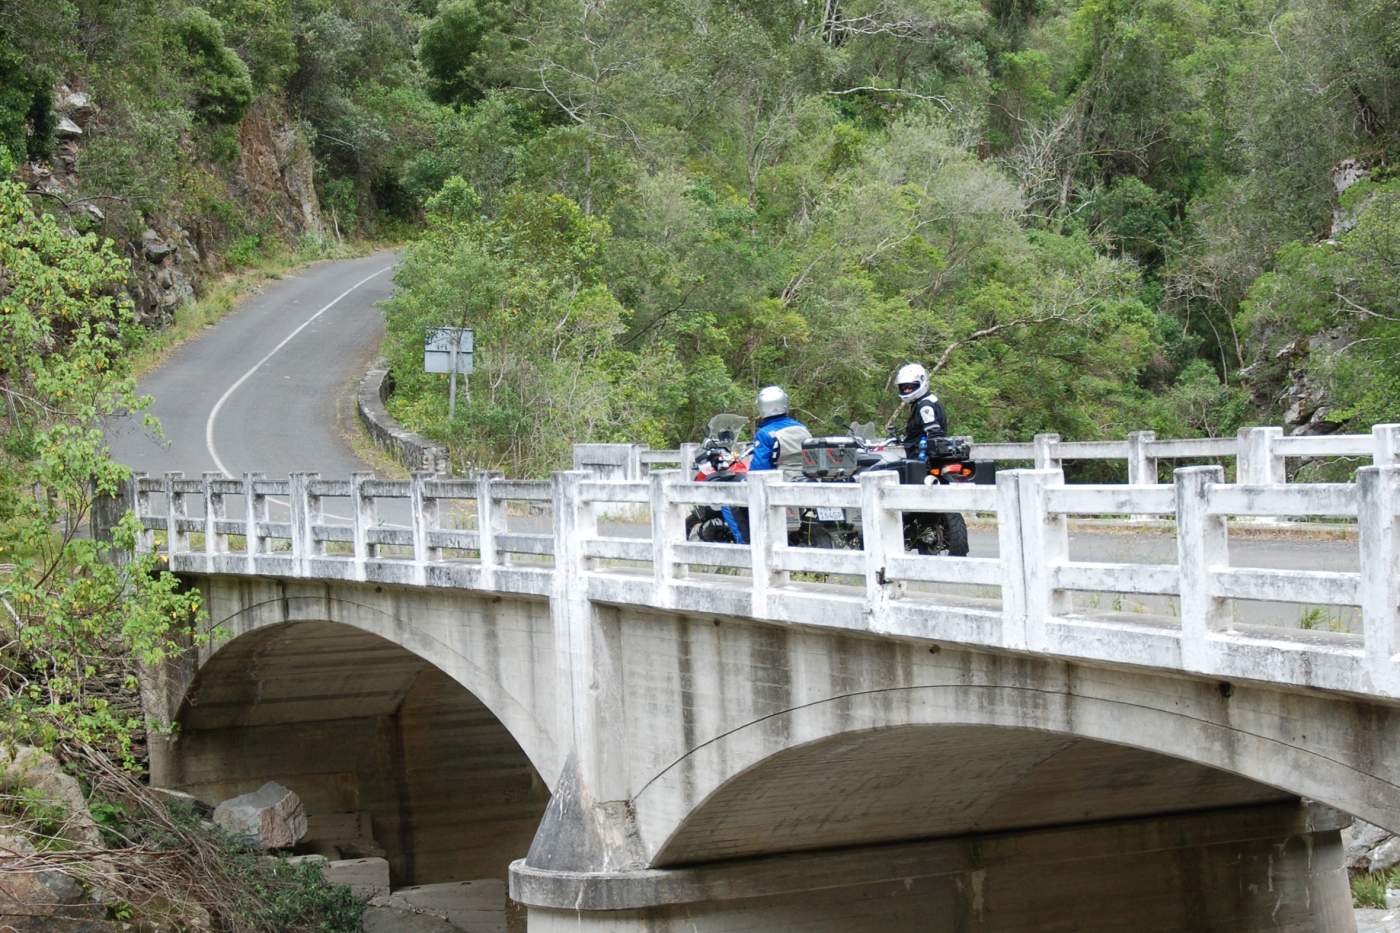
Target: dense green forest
(1086,216)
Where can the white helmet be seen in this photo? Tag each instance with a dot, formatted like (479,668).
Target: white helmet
(911,381)
(771,401)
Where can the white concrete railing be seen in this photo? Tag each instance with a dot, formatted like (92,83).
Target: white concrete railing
(458,536)
(1260,454)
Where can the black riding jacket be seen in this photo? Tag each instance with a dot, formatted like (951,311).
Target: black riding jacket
(926,419)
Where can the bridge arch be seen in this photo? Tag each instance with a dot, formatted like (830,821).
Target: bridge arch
(948,759)
(413,735)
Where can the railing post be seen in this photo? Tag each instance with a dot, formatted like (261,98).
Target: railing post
(883,536)
(1044,546)
(177,541)
(363,516)
(1201,546)
(1142,466)
(215,512)
(1378,496)
(573,521)
(1011,543)
(255,514)
(1258,463)
(306,512)
(423,511)
(767,533)
(141,503)
(667,530)
(1387,441)
(488,523)
(1044,445)
(688,452)
(591,709)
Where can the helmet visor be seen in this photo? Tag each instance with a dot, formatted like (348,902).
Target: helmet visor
(906,388)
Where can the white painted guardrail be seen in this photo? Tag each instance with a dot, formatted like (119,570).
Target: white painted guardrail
(1260,453)
(1021,600)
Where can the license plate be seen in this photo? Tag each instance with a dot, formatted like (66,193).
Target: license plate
(831,515)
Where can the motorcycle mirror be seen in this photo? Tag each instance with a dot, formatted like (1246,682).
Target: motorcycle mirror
(841,422)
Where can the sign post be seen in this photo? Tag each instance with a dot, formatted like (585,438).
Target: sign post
(449,350)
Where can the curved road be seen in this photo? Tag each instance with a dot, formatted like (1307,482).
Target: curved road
(268,388)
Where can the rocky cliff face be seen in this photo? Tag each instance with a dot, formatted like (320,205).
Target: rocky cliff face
(272,180)
(1286,380)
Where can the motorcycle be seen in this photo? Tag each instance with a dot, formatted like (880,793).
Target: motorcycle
(843,458)
(720,459)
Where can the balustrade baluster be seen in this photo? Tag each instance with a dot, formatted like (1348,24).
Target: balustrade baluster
(767,533)
(363,517)
(1045,546)
(667,530)
(215,512)
(177,540)
(424,516)
(1258,463)
(1387,440)
(882,534)
(489,521)
(255,516)
(1378,496)
(141,503)
(1044,446)
(1201,546)
(1011,543)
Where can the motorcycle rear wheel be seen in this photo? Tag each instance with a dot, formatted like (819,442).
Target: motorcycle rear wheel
(955,534)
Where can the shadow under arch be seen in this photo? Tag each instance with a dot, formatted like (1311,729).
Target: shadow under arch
(533,734)
(390,754)
(941,760)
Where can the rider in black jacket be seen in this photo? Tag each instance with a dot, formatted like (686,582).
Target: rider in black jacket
(927,419)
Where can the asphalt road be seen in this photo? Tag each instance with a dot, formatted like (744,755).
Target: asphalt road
(270,388)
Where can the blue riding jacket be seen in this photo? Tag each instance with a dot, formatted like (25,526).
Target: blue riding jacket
(778,443)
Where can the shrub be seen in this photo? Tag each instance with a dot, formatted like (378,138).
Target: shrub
(222,82)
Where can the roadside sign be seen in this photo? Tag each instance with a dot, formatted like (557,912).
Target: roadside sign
(438,348)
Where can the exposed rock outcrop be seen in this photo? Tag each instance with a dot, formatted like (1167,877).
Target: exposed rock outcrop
(272,182)
(276,174)
(1369,848)
(40,772)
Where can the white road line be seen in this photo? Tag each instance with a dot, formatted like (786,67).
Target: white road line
(214,412)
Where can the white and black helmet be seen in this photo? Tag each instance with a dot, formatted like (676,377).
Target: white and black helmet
(911,381)
(771,401)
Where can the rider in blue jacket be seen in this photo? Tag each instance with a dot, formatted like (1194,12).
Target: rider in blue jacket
(778,440)
(777,445)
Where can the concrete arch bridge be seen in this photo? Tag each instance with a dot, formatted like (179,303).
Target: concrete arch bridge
(543,681)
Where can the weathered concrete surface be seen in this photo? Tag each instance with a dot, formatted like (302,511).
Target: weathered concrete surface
(356,724)
(475,906)
(367,877)
(1271,868)
(727,725)
(701,739)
